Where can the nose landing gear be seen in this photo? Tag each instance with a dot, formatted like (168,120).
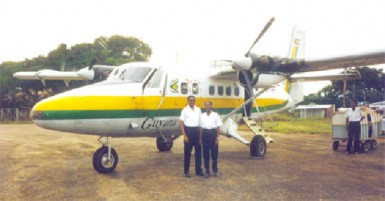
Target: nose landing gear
(105,159)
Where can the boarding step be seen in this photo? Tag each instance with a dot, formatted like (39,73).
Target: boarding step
(253,126)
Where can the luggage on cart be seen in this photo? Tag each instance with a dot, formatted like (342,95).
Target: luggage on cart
(371,128)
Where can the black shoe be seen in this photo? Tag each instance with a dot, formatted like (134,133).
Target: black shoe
(187,175)
(200,174)
(215,174)
(206,175)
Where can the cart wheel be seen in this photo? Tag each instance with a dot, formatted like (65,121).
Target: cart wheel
(365,147)
(336,144)
(373,144)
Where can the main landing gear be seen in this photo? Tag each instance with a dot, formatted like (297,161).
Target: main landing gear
(105,158)
(164,143)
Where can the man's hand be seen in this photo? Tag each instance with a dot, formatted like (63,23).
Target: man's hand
(185,138)
(200,142)
(216,141)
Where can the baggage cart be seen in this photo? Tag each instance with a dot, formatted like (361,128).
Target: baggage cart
(371,128)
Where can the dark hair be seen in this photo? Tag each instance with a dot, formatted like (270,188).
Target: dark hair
(188,97)
(211,103)
(354,101)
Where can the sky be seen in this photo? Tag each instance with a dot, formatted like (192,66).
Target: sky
(194,32)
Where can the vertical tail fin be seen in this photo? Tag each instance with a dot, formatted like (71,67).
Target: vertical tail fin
(296,51)
(297,44)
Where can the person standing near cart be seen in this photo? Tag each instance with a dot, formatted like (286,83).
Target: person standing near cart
(353,126)
(210,123)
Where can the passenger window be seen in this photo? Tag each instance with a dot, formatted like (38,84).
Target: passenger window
(195,88)
(211,90)
(228,91)
(236,91)
(184,88)
(220,90)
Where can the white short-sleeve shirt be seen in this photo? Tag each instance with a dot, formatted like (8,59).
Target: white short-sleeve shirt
(354,115)
(190,117)
(210,121)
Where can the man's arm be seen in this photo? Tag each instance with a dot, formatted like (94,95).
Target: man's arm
(181,125)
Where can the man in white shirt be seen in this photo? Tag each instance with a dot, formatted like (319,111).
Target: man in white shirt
(353,118)
(209,130)
(189,125)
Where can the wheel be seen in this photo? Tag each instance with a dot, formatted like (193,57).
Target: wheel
(365,147)
(164,145)
(101,162)
(258,146)
(336,144)
(373,144)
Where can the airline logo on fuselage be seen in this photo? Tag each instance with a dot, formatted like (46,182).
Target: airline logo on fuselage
(151,123)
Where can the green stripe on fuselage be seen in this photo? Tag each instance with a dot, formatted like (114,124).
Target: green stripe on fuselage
(118,114)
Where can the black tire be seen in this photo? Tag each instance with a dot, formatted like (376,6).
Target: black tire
(373,144)
(336,144)
(164,145)
(365,147)
(100,160)
(258,146)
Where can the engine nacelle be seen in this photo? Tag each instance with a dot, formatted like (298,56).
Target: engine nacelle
(242,64)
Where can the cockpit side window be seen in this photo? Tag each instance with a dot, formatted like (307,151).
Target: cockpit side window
(130,74)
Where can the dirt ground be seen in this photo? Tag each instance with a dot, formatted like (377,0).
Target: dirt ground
(38,164)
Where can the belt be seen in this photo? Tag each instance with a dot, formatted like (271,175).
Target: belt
(209,129)
(191,126)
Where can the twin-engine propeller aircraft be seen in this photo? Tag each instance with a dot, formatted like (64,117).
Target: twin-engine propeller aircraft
(144,99)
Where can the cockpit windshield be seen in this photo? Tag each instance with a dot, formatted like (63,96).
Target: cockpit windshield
(130,74)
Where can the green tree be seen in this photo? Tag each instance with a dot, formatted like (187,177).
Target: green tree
(114,50)
(370,88)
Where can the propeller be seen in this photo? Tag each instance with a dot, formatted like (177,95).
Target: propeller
(267,26)
(246,62)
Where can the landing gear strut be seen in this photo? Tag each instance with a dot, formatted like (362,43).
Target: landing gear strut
(105,158)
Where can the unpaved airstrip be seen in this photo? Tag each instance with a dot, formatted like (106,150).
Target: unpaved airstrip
(38,164)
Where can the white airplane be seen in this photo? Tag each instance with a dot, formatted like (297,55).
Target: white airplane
(145,100)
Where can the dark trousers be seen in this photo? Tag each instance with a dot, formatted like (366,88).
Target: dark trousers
(193,136)
(354,132)
(208,139)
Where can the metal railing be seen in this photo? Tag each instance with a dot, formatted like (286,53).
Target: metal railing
(14,114)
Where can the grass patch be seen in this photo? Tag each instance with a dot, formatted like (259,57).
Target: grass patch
(284,123)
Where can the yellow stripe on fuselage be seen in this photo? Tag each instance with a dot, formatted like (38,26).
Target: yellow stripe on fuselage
(141,102)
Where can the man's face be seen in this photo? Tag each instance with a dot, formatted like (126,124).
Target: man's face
(191,101)
(208,106)
(354,104)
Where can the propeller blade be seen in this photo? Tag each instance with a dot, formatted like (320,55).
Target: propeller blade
(267,26)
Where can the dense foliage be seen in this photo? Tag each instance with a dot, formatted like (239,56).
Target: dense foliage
(370,88)
(114,50)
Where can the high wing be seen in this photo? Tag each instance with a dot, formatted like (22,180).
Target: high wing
(87,73)
(286,65)
(229,70)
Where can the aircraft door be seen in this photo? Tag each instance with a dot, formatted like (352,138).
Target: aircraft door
(154,93)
